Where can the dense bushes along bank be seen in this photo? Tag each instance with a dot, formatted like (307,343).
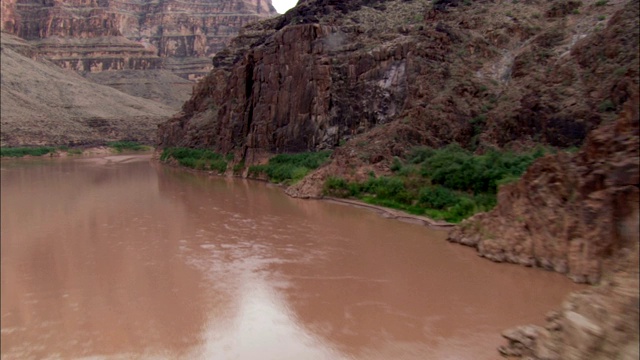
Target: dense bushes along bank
(199,159)
(24,151)
(290,168)
(449,183)
(118,146)
(282,168)
(121,146)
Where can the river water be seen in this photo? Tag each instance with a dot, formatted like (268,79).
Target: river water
(119,258)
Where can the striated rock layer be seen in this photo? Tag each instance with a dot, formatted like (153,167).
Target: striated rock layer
(92,36)
(374,78)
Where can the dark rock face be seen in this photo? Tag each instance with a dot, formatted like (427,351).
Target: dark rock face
(100,35)
(331,74)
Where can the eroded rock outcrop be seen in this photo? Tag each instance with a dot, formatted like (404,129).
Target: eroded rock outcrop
(599,323)
(577,214)
(568,213)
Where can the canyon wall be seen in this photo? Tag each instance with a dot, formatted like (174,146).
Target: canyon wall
(101,35)
(374,78)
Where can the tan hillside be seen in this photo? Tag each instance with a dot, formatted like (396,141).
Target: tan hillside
(44,104)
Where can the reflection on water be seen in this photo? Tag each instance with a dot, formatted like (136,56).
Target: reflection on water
(118,258)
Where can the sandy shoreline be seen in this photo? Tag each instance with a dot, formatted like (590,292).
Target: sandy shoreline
(393,213)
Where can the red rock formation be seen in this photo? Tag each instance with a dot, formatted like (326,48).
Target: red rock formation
(112,35)
(8,15)
(375,78)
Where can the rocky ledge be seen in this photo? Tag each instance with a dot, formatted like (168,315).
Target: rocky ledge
(598,323)
(569,213)
(579,215)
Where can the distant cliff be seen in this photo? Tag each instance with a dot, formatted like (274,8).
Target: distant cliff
(92,36)
(43,104)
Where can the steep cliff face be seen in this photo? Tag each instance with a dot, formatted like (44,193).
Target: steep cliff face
(569,213)
(374,78)
(93,36)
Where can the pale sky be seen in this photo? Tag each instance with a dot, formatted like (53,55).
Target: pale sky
(283,5)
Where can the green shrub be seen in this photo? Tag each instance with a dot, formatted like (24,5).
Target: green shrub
(218,165)
(463,209)
(420,154)
(237,168)
(24,151)
(396,164)
(448,183)
(606,105)
(437,197)
(256,170)
(290,168)
(336,186)
(602,2)
(458,169)
(120,146)
(200,159)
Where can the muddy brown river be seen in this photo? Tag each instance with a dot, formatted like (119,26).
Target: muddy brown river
(120,258)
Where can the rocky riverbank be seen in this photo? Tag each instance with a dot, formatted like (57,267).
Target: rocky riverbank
(578,215)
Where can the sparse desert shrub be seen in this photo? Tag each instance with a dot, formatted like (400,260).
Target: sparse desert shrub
(606,105)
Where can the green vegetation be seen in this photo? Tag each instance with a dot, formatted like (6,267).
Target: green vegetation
(449,183)
(23,151)
(289,168)
(602,2)
(121,146)
(606,105)
(199,159)
(620,71)
(237,168)
(74,151)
